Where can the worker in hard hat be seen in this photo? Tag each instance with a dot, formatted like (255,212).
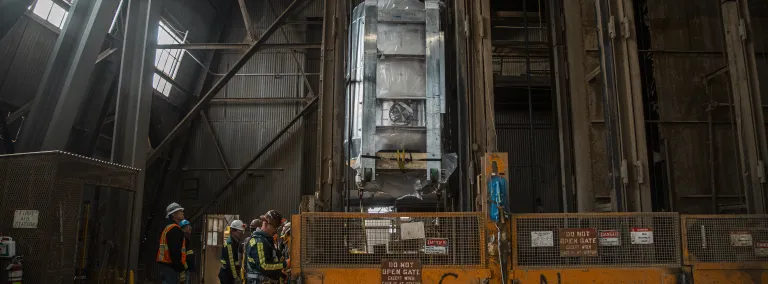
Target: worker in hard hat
(171,254)
(252,227)
(186,227)
(264,264)
(230,258)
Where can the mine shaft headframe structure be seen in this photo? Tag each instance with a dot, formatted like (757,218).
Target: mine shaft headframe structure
(432,103)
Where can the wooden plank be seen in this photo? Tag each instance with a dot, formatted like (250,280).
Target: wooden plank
(414,161)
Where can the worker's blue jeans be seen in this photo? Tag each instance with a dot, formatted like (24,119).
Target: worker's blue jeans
(168,275)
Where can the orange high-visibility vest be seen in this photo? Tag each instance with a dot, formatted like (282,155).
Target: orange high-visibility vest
(163,254)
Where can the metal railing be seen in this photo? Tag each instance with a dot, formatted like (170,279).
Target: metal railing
(601,239)
(359,240)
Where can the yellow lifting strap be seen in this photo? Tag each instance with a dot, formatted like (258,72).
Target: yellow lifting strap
(400,155)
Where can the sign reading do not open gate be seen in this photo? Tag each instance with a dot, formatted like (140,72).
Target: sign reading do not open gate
(400,271)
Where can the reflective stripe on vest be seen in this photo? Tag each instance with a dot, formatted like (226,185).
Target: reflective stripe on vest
(232,262)
(163,254)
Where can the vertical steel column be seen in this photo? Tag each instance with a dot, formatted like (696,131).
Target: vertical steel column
(631,112)
(605,32)
(67,74)
(330,115)
(577,84)
(747,102)
(94,110)
(134,98)
(247,21)
(559,67)
(461,62)
(370,59)
(435,103)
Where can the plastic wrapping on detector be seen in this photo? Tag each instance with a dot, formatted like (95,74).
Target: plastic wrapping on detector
(401,4)
(414,184)
(400,79)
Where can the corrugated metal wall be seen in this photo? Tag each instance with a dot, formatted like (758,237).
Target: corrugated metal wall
(533,173)
(286,171)
(23,54)
(278,178)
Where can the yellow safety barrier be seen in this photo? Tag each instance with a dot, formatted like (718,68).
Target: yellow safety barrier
(366,248)
(726,248)
(596,248)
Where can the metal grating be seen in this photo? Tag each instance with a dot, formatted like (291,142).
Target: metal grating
(663,252)
(725,238)
(358,240)
(53,183)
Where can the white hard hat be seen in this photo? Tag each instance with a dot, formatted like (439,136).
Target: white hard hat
(237,225)
(172,208)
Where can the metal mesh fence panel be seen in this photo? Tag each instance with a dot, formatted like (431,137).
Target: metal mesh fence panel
(360,240)
(52,184)
(725,238)
(537,242)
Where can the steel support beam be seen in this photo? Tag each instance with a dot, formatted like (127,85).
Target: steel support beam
(216,143)
(10,13)
(12,117)
(67,75)
(94,110)
(231,182)
(330,115)
(171,81)
(564,124)
(134,99)
(247,21)
(631,111)
(610,104)
(206,99)
(484,136)
(579,104)
(182,143)
(299,64)
(745,88)
(465,197)
(236,46)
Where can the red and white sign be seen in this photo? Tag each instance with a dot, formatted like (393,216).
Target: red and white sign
(642,236)
(761,249)
(436,246)
(609,238)
(741,238)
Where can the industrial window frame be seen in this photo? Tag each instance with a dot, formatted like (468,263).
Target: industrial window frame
(167,60)
(50,11)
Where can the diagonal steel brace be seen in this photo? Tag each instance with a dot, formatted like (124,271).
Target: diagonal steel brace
(206,99)
(229,184)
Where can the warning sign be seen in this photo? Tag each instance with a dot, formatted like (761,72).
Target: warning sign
(578,242)
(542,239)
(25,219)
(741,238)
(642,236)
(761,249)
(436,246)
(609,238)
(400,271)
